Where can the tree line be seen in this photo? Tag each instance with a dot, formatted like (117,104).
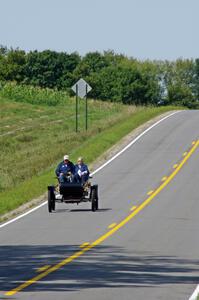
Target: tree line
(113,77)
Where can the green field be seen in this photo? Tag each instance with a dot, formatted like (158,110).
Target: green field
(34,137)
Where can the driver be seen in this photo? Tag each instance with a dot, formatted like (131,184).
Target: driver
(81,171)
(64,168)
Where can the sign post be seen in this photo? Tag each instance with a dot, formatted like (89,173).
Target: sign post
(86,107)
(76,108)
(81,89)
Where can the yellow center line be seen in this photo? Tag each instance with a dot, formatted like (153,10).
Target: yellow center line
(164,178)
(175,166)
(44,268)
(112,225)
(150,193)
(109,233)
(133,207)
(84,245)
(185,153)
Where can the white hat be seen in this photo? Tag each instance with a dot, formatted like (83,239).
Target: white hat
(66,157)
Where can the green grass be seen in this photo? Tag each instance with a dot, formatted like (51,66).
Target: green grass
(34,137)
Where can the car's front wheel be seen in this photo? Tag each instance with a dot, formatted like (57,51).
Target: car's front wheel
(94,200)
(51,200)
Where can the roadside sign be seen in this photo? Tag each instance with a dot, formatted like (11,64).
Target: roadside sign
(82,87)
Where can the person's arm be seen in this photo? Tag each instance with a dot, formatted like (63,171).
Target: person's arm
(86,170)
(75,169)
(57,171)
(72,168)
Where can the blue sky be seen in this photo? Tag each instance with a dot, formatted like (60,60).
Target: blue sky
(154,29)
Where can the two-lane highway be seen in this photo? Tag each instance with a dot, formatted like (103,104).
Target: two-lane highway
(143,242)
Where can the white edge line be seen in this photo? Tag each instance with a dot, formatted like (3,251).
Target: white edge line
(195,293)
(23,215)
(97,170)
(133,142)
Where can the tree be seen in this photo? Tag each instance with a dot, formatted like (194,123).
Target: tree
(12,64)
(50,69)
(126,83)
(196,79)
(179,78)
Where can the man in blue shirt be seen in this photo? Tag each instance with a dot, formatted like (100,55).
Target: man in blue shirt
(64,168)
(81,171)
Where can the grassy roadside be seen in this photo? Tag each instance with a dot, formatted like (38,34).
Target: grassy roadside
(92,146)
(34,136)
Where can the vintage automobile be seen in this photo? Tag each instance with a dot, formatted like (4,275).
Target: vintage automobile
(70,192)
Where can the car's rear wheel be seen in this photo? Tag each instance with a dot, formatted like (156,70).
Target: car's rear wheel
(97,206)
(51,201)
(53,204)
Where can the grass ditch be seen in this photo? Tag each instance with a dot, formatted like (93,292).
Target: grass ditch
(103,134)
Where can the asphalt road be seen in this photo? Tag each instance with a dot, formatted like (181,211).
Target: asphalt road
(154,254)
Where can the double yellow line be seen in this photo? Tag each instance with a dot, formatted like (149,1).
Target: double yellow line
(110,232)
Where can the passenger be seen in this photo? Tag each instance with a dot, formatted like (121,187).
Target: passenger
(64,168)
(81,171)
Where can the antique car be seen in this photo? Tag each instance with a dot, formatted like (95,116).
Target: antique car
(72,192)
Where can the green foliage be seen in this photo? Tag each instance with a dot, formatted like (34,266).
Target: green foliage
(12,64)
(127,82)
(179,93)
(178,80)
(33,95)
(50,69)
(113,77)
(196,79)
